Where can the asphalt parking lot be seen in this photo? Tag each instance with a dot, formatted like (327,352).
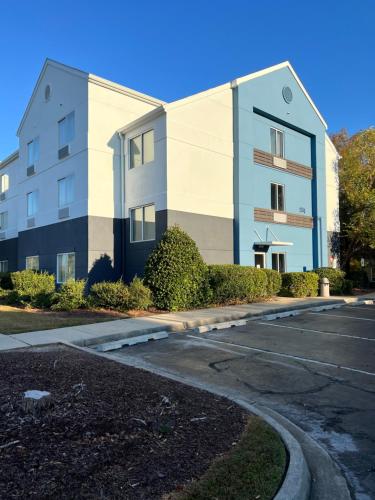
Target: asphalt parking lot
(316,368)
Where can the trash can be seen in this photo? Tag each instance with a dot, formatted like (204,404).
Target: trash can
(324,287)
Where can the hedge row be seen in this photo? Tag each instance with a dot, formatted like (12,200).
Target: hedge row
(299,284)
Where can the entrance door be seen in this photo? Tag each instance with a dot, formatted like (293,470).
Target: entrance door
(260,260)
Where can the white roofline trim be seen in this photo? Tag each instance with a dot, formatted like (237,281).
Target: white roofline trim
(9,159)
(276,67)
(97,80)
(48,62)
(195,97)
(151,115)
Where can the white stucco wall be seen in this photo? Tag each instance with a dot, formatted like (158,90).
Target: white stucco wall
(10,204)
(332,187)
(109,110)
(200,153)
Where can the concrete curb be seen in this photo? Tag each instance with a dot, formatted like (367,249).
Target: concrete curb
(297,480)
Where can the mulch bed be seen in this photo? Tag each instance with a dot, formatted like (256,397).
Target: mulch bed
(112,431)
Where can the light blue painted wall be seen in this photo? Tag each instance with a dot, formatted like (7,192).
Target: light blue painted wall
(252,182)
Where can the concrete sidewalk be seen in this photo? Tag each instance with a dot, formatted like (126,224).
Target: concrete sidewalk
(172,322)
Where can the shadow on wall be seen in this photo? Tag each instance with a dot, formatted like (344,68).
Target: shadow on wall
(102,270)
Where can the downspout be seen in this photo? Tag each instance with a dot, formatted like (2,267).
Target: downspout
(122,198)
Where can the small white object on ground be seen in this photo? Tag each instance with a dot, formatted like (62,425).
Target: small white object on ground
(34,394)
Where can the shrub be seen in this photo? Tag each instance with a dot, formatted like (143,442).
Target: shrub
(336,278)
(299,284)
(110,295)
(358,277)
(5,281)
(70,296)
(231,283)
(176,273)
(140,296)
(273,282)
(347,288)
(32,288)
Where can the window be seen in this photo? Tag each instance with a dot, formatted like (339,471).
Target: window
(32,262)
(66,191)
(66,130)
(32,203)
(260,260)
(3,220)
(278,262)
(141,149)
(277,142)
(142,223)
(4,183)
(277,197)
(3,266)
(33,152)
(66,267)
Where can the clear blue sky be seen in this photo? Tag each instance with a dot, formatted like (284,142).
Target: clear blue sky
(170,49)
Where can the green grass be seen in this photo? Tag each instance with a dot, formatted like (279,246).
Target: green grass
(18,320)
(252,470)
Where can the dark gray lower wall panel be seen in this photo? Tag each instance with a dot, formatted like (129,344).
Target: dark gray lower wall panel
(9,252)
(48,241)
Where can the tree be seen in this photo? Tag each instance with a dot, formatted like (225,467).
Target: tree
(357,193)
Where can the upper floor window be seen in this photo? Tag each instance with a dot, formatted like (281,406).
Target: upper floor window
(277,197)
(33,152)
(3,266)
(4,183)
(32,203)
(32,262)
(66,130)
(141,149)
(277,142)
(66,191)
(142,223)
(3,220)
(66,267)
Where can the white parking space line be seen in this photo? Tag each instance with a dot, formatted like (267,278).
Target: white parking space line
(368,308)
(283,355)
(341,316)
(302,329)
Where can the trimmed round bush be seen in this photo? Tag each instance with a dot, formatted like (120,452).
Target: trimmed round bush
(336,279)
(32,288)
(140,296)
(176,273)
(273,282)
(5,281)
(70,296)
(232,283)
(299,284)
(110,295)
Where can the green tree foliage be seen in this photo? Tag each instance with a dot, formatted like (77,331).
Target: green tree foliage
(357,193)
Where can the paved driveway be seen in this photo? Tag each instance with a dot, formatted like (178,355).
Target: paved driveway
(317,369)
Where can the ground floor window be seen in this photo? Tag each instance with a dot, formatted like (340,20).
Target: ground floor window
(279,262)
(142,223)
(3,266)
(66,267)
(32,262)
(260,260)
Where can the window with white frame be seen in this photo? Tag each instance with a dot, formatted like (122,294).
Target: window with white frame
(66,267)
(32,262)
(141,149)
(277,197)
(33,152)
(3,266)
(142,223)
(66,130)
(4,183)
(279,262)
(3,220)
(32,203)
(66,191)
(260,260)
(277,142)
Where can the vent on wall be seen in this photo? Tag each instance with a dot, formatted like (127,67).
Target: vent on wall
(64,152)
(2,236)
(64,213)
(30,170)
(31,222)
